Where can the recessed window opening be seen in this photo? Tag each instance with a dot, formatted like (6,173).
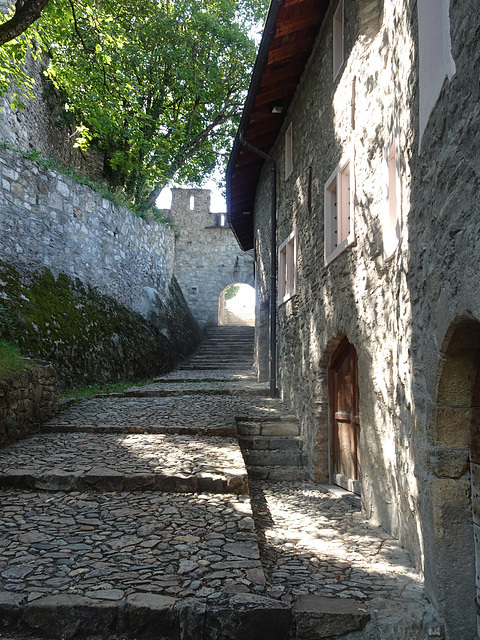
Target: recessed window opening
(338,39)
(391,218)
(287,268)
(192,203)
(288,152)
(339,223)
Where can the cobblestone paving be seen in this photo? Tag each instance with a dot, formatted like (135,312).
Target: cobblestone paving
(189,413)
(285,540)
(315,539)
(132,453)
(110,545)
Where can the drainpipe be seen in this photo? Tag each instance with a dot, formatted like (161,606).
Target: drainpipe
(273,263)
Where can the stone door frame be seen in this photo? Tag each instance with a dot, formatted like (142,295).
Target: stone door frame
(453,487)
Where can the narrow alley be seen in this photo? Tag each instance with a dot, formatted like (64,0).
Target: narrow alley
(181,510)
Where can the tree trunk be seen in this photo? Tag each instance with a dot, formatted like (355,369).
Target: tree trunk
(25,15)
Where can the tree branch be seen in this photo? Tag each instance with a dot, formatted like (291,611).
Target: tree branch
(25,15)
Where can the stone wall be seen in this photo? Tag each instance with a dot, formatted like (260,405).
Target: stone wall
(397,311)
(207,256)
(48,220)
(26,401)
(84,283)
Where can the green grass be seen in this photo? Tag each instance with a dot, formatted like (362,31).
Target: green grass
(92,390)
(11,361)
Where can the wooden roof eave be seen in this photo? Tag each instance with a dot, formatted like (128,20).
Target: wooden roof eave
(290,31)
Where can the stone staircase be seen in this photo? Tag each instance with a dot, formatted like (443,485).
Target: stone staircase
(272,449)
(225,347)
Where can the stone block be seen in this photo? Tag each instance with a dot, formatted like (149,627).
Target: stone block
(152,616)
(191,615)
(70,616)
(248,428)
(139,481)
(451,426)
(57,480)
(447,462)
(186,484)
(102,479)
(18,479)
(210,483)
(164,483)
(316,617)
(456,382)
(247,616)
(280,429)
(237,483)
(9,609)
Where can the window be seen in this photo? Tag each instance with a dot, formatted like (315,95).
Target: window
(288,152)
(435,55)
(391,214)
(337,39)
(287,268)
(339,199)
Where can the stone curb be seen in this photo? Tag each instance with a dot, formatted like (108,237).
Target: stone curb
(148,616)
(164,393)
(227,432)
(106,480)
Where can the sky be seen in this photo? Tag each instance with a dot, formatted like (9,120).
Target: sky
(217,202)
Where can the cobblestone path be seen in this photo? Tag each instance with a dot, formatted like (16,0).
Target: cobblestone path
(132,516)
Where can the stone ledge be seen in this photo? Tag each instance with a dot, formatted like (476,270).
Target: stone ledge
(148,615)
(316,617)
(107,480)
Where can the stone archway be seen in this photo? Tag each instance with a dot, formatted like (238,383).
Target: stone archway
(452,527)
(238,308)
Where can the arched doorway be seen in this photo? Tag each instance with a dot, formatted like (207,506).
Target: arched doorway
(344,420)
(452,530)
(236,305)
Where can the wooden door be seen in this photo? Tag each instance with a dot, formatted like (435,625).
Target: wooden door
(345,426)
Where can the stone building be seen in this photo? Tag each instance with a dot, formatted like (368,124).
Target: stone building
(359,149)
(207,257)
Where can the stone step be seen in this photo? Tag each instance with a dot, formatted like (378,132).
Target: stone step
(262,443)
(144,615)
(87,462)
(152,429)
(194,390)
(207,367)
(268,428)
(102,563)
(272,458)
(278,474)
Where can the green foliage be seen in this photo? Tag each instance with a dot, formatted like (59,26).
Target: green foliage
(87,336)
(11,361)
(157,85)
(13,55)
(231,291)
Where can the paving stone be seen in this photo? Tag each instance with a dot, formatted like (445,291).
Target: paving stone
(102,536)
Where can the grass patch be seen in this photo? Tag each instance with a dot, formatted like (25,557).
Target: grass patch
(11,360)
(101,388)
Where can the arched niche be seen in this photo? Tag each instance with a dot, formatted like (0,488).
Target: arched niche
(452,524)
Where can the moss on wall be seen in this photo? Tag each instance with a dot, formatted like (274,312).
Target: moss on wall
(87,336)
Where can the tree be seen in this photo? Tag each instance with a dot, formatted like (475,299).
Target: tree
(18,39)
(25,14)
(158,85)
(231,291)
